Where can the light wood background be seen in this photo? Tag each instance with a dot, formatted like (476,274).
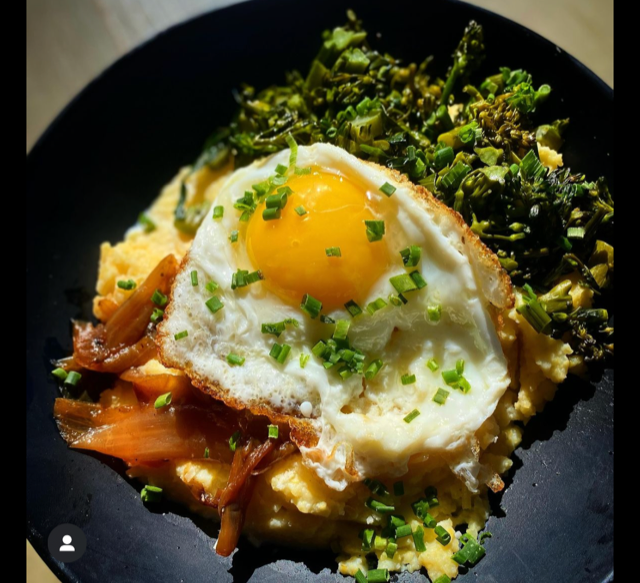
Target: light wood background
(70,41)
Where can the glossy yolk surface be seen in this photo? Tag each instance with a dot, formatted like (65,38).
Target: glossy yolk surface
(290,251)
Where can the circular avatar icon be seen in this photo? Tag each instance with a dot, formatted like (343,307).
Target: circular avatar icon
(67,543)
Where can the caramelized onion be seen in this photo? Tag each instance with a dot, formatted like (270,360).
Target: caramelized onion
(150,387)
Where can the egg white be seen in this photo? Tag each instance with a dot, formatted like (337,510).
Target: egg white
(361,430)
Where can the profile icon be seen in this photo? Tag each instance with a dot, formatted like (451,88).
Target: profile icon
(67,543)
(67,547)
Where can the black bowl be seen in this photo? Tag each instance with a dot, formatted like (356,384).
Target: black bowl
(105,158)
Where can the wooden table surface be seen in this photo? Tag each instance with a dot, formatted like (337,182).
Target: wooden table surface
(69,42)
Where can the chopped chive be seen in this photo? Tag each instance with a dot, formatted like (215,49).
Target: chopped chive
(181,335)
(353,308)
(273,431)
(402,531)
(342,329)
(128,284)
(311,306)
(159,299)
(206,453)
(450,377)
(380,544)
(398,488)
(333,252)
(433,365)
(218,212)
(417,278)
(378,575)
(147,224)
(375,230)
(376,305)
(163,401)
(387,189)
(303,171)
(211,287)
(392,547)
(411,256)
(360,577)
(301,210)
(327,319)
(396,521)
(442,536)
(293,145)
(304,359)
(429,521)
(408,379)
(368,536)
(277,201)
(270,214)
(411,416)
(576,232)
(279,352)
(470,553)
(233,237)
(418,539)
(281,169)
(157,315)
(376,486)
(214,304)
(434,313)
(460,366)
(444,157)
(463,385)
(194,278)
(373,369)
(243,278)
(60,373)
(234,439)
(151,494)
(319,349)
(72,378)
(235,360)
(379,507)
(403,283)
(441,396)
(443,579)
(395,301)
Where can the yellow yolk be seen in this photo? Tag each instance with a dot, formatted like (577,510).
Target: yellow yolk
(291,251)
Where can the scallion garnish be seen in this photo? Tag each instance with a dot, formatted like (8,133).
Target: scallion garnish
(429,521)
(376,486)
(304,359)
(360,577)
(211,287)
(273,431)
(271,214)
(151,494)
(206,453)
(311,306)
(163,401)
(403,283)
(379,507)
(387,189)
(293,145)
(470,553)
(300,210)
(408,379)
(234,439)
(398,488)
(278,328)
(303,171)
(460,366)
(194,278)
(433,365)
(373,369)
(72,378)
(128,284)
(417,278)
(434,313)
(279,352)
(279,200)
(443,579)
(181,335)
(375,230)
(353,308)
(368,536)
(442,536)
(444,157)
(418,539)
(395,301)
(159,299)
(235,360)
(60,373)
(214,304)
(156,315)
(402,531)
(147,224)
(376,305)
(342,329)
(576,232)
(218,212)
(411,416)
(378,576)
(411,256)
(441,396)
(333,252)
(281,169)
(451,377)
(233,237)
(243,278)
(327,319)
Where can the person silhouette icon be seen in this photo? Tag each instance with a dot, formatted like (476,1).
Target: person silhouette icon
(67,547)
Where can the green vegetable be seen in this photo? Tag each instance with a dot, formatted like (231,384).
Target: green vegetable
(163,401)
(151,494)
(128,284)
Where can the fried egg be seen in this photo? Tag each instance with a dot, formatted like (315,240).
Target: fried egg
(402,360)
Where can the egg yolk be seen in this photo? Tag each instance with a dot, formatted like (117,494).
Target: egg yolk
(291,251)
